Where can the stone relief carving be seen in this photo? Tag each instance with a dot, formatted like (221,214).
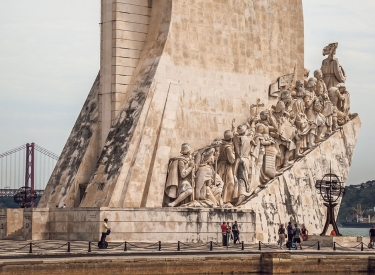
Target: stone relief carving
(232,170)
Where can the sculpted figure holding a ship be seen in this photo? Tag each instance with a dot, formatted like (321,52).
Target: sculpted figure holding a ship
(232,170)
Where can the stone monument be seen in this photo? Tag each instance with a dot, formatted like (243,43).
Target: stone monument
(202,112)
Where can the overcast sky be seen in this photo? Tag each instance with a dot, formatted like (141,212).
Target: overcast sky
(49,58)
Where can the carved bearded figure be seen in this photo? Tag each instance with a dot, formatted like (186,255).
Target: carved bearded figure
(180,176)
(333,73)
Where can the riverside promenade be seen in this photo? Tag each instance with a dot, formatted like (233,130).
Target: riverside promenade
(61,257)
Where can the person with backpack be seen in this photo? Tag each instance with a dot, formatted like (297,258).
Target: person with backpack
(296,236)
(289,229)
(281,235)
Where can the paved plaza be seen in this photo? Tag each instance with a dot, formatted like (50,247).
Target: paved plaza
(52,248)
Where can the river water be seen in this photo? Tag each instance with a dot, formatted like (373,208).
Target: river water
(354,232)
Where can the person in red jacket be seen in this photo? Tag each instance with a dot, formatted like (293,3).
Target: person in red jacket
(224,233)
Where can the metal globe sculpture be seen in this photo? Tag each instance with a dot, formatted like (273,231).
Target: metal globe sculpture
(25,197)
(331,189)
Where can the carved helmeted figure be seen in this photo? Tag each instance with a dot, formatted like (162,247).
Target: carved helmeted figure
(180,176)
(333,73)
(243,165)
(225,166)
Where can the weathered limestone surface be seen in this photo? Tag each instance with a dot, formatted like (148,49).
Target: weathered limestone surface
(181,71)
(78,158)
(198,66)
(135,224)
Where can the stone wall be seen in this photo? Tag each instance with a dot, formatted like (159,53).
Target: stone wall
(268,263)
(135,224)
(10,221)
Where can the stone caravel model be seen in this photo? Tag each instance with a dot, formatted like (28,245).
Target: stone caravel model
(185,72)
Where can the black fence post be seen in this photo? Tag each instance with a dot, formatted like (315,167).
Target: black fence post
(318,245)
(361,246)
(125,247)
(210,245)
(334,246)
(242,247)
(31,248)
(159,245)
(68,246)
(259,246)
(178,246)
(89,250)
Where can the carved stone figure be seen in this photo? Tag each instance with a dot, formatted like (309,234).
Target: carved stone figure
(303,127)
(314,116)
(340,99)
(299,93)
(208,186)
(321,87)
(180,176)
(333,73)
(284,134)
(330,113)
(264,157)
(225,166)
(242,166)
(306,74)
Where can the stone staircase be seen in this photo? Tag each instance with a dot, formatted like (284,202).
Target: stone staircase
(16,236)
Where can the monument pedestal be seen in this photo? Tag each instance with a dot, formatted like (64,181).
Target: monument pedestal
(136,224)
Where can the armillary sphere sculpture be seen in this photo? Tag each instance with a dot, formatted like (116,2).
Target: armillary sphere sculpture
(331,189)
(25,196)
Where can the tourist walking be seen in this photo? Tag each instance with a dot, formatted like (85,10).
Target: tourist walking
(236,233)
(224,233)
(105,231)
(372,237)
(281,235)
(296,236)
(304,233)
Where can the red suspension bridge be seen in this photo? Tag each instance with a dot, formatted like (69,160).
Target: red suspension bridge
(29,165)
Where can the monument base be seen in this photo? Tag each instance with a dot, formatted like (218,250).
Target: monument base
(135,224)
